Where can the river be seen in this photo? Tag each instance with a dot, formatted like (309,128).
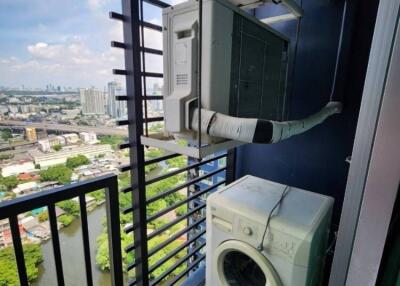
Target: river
(72,251)
(72,254)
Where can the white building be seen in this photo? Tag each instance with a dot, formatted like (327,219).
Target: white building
(71,138)
(115,108)
(25,188)
(59,139)
(50,159)
(13,108)
(93,101)
(16,169)
(24,108)
(44,145)
(3,109)
(88,137)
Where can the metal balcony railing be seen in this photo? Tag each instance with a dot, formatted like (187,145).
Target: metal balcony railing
(193,233)
(11,209)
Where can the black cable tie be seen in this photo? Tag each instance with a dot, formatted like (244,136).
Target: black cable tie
(210,123)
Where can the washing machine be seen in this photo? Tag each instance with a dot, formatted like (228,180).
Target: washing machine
(243,251)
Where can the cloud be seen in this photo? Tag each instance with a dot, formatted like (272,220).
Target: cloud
(70,64)
(97,4)
(77,58)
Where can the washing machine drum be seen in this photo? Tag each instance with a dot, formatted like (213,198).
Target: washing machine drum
(240,264)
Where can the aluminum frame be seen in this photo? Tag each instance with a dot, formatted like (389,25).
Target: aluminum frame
(362,228)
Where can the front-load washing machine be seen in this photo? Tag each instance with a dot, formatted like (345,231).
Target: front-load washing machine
(243,251)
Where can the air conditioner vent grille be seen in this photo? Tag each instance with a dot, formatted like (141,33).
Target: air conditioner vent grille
(182,79)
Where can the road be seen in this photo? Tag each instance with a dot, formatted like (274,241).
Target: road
(66,128)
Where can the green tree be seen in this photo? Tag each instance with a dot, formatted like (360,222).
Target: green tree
(6,134)
(113,140)
(59,173)
(156,207)
(162,253)
(153,153)
(9,182)
(57,147)
(181,210)
(166,185)
(43,216)
(98,195)
(70,207)
(8,267)
(102,254)
(177,162)
(6,156)
(77,161)
(66,219)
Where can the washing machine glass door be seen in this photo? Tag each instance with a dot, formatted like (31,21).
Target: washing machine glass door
(240,264)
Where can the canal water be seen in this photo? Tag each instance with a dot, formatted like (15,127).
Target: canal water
(72,254)
(72,251)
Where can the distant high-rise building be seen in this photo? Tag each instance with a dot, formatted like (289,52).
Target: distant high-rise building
(93,101)
(115,108)
(30,133)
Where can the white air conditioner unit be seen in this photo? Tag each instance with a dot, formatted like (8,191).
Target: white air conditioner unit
(243,65)
(242,85)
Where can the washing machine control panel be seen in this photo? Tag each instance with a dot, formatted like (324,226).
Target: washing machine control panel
(281,244)
(275,242)
(247,230)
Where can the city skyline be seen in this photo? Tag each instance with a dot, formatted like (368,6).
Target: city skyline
(40,47)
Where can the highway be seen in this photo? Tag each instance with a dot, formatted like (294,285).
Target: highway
(65,128)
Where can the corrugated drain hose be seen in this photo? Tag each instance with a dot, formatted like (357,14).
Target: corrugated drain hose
(252,130)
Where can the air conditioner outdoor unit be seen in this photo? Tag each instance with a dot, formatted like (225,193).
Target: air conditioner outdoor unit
(241,86)
(243,65)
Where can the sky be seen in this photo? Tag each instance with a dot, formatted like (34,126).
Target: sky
(66,43)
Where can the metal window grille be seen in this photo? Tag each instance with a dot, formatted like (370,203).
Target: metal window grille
(138,121)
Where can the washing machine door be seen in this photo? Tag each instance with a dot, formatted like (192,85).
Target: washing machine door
(240,264)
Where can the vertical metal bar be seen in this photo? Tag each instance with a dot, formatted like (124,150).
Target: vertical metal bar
(199,69)
(143,68)
(19,251)
(114,233)
(230,166)
(130,9)
(56,244)
(85,239)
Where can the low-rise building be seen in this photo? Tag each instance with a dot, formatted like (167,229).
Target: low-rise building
(18,168)
(5,233)
(88,137)
(44,145)
(71,138)
(30,133)
(28,222)
(57,140)
(51,159)
(28,177)
(25,188)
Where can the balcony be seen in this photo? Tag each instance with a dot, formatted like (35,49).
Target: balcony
(178,244)
(14,209)
(167,241)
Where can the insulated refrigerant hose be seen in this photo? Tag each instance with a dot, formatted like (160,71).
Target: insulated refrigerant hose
(252,130)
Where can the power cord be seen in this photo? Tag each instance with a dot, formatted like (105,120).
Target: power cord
(278,203)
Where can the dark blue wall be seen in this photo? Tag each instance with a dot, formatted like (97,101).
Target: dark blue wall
(315,161)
